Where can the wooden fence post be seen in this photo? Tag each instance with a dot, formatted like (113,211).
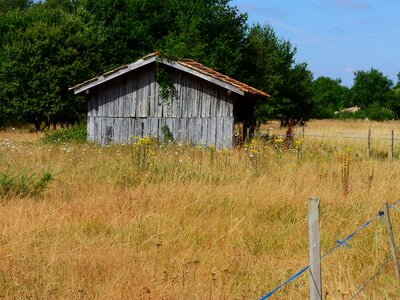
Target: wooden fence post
(392,242)
(369,143)
(314,248)
(303,135)
(392,146)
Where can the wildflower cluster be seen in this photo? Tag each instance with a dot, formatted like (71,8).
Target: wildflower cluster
(277,143)
(252,148)
(141,152)
(288,143)
(256,150)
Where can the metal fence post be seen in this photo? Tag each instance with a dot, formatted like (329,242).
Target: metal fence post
(314,248)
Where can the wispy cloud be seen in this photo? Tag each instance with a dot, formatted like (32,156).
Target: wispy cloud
(353,4)
(305,36)
(368,21)
(365,35)
(349,70)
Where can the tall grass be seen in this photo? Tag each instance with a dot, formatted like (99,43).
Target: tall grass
(76,133)
(23,184)
(195,222)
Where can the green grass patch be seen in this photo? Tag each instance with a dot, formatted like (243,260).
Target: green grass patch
(23,184)
(76,133)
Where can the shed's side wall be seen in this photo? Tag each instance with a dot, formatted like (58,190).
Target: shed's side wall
(200,112)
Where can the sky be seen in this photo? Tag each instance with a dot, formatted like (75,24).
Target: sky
(335,37)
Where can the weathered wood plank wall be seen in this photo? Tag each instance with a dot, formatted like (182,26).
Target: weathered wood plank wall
(200,113)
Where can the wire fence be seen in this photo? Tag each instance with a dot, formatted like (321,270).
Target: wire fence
(377,272)
(375,142)
(301,133)
(347,135)
(342,244)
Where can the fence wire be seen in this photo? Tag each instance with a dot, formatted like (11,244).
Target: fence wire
(377,272)
(339,244)
(347,135)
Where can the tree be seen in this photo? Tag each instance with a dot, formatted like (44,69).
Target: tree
(373,92)
(370,87)
(394,102)
(9,5)
(330,96)
(272,68)
(50,51)
(209,31)
(398,81)
(297,104)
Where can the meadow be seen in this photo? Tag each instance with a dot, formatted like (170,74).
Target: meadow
(166,221)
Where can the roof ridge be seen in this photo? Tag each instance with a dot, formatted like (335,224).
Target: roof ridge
(185,62)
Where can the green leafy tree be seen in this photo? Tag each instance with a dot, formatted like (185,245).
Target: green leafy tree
(50,51)
(124,24)
(394,102)
(271,67)
(330,96)
(398,81)
(210,31)
(9,5)
(297,104)
(373,91)
(370,87)
(377,112)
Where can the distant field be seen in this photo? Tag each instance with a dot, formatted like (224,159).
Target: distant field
(176,222)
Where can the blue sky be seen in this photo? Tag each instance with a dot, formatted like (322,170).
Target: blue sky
(335,37)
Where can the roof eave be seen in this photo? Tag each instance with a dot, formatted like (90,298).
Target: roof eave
(79,88)
(261,95)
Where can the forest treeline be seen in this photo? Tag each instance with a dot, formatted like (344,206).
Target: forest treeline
(48,46)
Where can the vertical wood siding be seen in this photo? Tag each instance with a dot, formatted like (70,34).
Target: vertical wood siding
(199,113)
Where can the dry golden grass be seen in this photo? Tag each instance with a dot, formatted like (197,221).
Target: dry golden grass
(194,224)
(353,133)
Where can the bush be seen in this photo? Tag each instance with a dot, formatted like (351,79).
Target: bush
(379,113)
(76,133)
(23,184)
(361,114)
(168,137)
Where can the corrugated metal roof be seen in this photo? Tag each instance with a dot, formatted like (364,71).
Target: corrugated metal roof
(186,63)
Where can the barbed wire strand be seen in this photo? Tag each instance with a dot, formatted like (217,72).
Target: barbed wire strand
(339,244)
(377,272)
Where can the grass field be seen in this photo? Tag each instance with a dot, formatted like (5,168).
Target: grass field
(174,222)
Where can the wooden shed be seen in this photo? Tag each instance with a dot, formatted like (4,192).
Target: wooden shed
(127,102)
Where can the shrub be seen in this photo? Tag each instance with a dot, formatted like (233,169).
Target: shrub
(379,113)
(361,114)
(76,133)
(23,184)
(168,137)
